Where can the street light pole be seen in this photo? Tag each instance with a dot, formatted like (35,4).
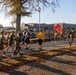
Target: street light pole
(39,17)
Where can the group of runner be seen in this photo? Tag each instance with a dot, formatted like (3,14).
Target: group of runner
(69,37)
(17,41)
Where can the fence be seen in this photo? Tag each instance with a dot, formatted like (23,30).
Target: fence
(49,34)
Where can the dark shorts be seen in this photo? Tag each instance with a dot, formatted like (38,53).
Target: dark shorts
(1,46)
(17,50)
(23,38)
(18,46)
(27,40)
(10,43)
(55,38)
(6,43)
(40,41)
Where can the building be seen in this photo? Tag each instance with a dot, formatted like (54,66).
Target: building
(43,26)
(35,26)
(68,26)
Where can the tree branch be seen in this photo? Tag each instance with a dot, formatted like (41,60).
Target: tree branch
(24,1)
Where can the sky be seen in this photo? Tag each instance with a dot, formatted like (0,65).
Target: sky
(66,13)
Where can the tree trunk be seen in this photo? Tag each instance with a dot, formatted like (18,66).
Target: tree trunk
(18,21)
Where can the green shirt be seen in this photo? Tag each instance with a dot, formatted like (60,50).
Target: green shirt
(2,43)
(18,40)
(11,39)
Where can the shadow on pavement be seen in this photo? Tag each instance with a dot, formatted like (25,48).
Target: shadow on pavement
(53,53)
(72,54)
(63,61)
(14,72)
(44,67)
(42,55)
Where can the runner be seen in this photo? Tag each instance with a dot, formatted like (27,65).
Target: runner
(61,36)
(40,37)
(11,42)
(28,36)
(24,35)
(19,42)
(71,36)
(2,43)
(24,38)
(55,36)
